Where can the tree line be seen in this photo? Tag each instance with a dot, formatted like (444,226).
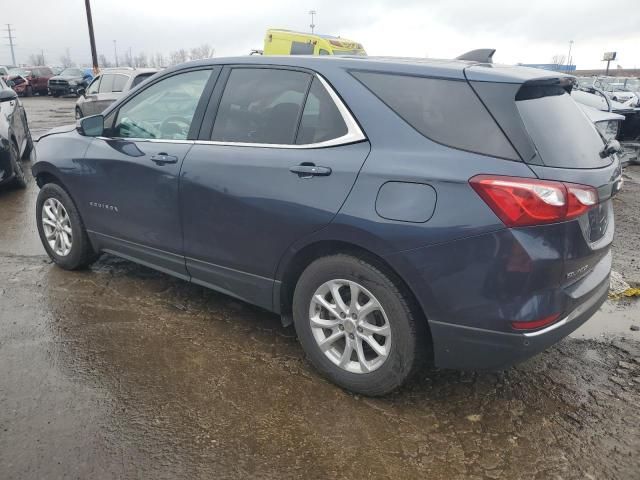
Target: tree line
(141,59)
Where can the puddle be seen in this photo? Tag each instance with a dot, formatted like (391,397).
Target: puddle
(613,320)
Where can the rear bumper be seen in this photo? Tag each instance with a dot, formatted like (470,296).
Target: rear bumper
(469,348)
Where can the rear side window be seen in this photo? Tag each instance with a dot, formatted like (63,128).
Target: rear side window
(261,105)
(106,85)
(445,111)
(562,133)
(119,81)
(140,78)
(321,119)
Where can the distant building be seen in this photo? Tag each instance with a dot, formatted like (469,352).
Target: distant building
(551,66)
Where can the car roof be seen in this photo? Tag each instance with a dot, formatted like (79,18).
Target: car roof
(128,70)
(454,69)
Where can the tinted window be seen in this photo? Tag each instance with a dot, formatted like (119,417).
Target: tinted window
(321,119)
(93,87)
(119,81)
(561,132)
(261,105)
(141,78)
(445,111)
(163,110)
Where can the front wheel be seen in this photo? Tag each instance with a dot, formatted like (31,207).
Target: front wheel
(357,325)
(61,229)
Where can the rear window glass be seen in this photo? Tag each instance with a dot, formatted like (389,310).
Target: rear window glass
(445,111)
(321,119)
(563,135)
(261,105)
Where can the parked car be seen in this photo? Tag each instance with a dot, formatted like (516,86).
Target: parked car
(29,80)
(394,210)
(15,139)
(69,81)
(107,87)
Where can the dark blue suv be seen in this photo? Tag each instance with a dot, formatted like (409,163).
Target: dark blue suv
(397,211)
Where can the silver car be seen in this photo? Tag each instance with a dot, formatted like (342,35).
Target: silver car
(108,87)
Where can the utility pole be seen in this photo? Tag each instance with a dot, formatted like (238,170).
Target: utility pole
(11,44)
(42,57)
(115,51)
(313,14)
(94,55)
(569,56)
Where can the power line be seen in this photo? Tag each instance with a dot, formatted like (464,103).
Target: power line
(11,44)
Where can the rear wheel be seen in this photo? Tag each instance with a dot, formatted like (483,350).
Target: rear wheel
(19,179)
(357,326)
(28,92)
(61,229)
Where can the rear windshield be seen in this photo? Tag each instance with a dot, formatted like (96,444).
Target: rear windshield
(563,135)
(445,111)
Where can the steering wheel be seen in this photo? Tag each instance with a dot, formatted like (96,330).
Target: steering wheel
(170,126)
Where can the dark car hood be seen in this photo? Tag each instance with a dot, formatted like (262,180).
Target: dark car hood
(67,77)
(57,130)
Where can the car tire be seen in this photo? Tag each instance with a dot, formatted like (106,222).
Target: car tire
(80,254)
(19,177)
(408,336)
(28,92)
(79,114)
(55,94)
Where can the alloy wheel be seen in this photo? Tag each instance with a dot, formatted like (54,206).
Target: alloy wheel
(350,326)
(57,227)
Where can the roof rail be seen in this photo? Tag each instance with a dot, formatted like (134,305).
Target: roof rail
(482,55)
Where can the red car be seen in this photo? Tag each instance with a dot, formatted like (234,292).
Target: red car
(29,80)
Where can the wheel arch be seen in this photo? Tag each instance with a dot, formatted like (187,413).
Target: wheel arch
(283,294)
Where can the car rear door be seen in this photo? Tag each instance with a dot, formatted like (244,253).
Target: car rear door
(276,157)
(130,176)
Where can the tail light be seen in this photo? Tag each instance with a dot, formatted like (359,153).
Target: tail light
(535,324)
(520,202)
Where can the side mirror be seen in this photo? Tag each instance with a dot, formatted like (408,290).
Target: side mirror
(82,91)
(8,95)
(92,126)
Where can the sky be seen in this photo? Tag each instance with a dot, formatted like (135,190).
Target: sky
(521,31)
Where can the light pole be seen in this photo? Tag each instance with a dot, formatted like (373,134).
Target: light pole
(569,56)
(313,14)
(92,40)
(115,52)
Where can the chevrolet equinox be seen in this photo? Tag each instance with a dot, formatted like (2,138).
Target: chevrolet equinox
(397,211)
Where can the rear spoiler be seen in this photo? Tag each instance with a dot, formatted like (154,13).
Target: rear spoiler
(482,55)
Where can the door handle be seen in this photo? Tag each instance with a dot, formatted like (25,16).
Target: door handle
(308,170)
(163,159)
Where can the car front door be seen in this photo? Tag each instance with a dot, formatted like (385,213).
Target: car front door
(88,106)
(274,166)
(130,176)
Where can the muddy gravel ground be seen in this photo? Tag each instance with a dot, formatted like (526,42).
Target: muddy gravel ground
(123,372)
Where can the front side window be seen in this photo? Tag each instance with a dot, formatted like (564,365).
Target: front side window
(164,110)
(445,111)
(261,105)
(94,86)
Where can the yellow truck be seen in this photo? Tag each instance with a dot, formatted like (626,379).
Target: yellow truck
(287,42)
